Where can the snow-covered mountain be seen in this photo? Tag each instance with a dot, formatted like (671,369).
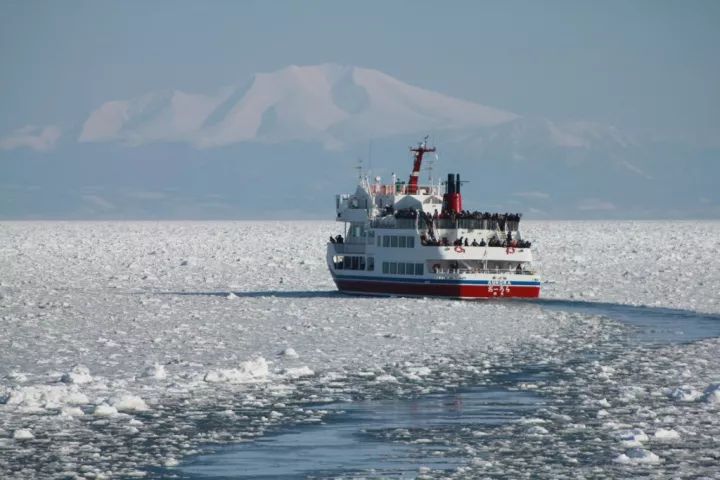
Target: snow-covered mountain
(312,123)
(332,104)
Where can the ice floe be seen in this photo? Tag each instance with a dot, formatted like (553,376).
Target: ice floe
(79,374)
(105,410)
(128,403)
(666,435)
(247,372)
(121,335)
(638,456)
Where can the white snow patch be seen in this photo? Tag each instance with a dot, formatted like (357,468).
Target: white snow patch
(666,435)
(71,412)
(105,410)
(23,434)
(79,374)
(638,456)
(43,396)
(129,403)
(250,371)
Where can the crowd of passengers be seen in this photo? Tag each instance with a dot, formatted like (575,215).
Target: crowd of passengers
(464,242)
(487,220)
(455,268)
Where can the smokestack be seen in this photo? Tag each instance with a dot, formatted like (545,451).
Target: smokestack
(457,183)
(451,184)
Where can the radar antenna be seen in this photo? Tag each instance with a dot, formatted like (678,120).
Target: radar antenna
(418,153)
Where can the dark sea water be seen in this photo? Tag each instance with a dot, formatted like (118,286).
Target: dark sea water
(398,438)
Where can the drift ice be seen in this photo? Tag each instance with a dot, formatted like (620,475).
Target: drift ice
(416,240)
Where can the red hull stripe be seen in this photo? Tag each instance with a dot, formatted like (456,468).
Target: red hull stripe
(437,290)
(416,280)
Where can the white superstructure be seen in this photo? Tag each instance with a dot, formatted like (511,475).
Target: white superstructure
(411,239)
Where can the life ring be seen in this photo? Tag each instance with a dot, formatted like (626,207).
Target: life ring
(459,249)
(510,250)
(436,268)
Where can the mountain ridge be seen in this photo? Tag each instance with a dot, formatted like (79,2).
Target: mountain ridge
(332,104)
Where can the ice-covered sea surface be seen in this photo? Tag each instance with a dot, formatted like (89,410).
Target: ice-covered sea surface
(138,349)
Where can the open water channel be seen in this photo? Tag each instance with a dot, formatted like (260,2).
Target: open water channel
(387,438)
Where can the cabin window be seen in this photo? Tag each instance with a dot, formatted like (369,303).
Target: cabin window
(410,242)
(393,241)
(350,262)
(379,237)
(386,241)
(399,268)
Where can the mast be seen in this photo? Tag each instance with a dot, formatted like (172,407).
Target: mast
(418,153)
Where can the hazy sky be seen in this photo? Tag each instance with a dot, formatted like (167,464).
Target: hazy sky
(641,64)
(649,67)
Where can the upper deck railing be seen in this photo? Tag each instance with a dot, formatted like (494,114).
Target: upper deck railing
(491,271)
(403,189)
(439,223)
(350,247)
(392,222)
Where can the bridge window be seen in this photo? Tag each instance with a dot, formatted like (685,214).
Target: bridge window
(353,262)
(395,241)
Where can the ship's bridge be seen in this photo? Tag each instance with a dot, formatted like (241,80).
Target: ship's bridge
(372,200)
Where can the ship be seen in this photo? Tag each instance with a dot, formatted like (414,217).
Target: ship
(409,239)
